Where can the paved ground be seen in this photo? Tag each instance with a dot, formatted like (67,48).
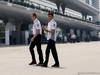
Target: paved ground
(74,59)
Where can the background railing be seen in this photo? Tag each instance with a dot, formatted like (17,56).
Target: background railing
(46,8)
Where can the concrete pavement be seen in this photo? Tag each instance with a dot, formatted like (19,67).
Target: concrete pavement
(74,59)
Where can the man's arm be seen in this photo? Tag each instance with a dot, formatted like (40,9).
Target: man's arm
(50,31)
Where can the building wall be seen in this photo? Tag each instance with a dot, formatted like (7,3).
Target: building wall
(96,4)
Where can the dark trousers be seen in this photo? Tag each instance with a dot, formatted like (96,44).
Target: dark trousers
(51,46)
(37,43)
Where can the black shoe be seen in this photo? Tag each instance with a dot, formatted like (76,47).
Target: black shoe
(39,64)
(32,63)
(44,65)
(55,65)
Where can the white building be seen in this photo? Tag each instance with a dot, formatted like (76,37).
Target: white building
(78,17)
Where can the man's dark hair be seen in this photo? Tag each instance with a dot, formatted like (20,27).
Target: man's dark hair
(51,13)
(34,14)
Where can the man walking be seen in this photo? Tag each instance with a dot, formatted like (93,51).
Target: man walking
(51,37)
(36,41)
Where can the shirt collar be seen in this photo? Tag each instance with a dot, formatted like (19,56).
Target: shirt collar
(51,20)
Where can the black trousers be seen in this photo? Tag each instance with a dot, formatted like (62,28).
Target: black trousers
(51,46)
(37,43)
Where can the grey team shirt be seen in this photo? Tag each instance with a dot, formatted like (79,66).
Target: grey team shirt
(52,25)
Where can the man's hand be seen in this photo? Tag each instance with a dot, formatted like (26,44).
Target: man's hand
(32,39)
(44,28)
(50,31)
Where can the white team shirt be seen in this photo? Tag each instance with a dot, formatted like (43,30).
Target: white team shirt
(52,25)
(36,25)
